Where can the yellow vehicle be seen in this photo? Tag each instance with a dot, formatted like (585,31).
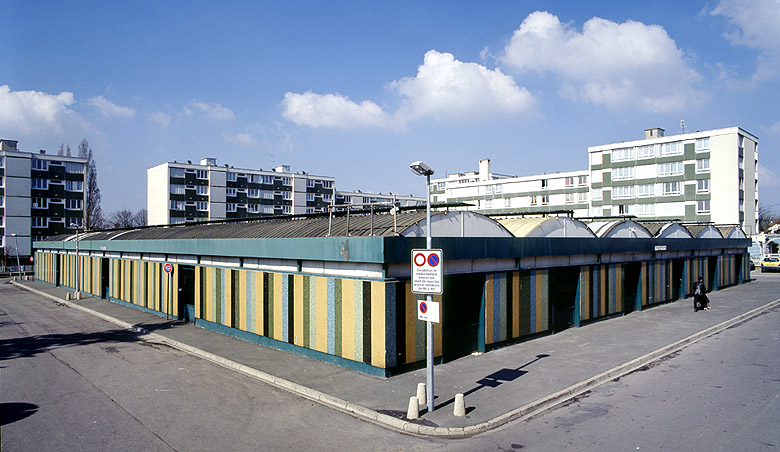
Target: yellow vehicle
(770,263)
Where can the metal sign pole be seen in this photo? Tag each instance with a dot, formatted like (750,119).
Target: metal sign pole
(429,298)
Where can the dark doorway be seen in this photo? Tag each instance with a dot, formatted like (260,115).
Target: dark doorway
(739,262)
(186,293)
(712,273)
(631,279)
(678,291)
(105,277)
(461,311)
(57,258)
(563,294)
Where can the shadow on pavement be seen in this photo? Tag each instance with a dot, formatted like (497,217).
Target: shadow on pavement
(11,412)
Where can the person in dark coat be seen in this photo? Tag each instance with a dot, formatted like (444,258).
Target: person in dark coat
(700,301)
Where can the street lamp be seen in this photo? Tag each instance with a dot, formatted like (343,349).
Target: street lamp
(78,264)
(421,169)
(16,244)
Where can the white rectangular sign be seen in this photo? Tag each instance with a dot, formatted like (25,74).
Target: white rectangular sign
(428,311)
(660,248)
(427,271)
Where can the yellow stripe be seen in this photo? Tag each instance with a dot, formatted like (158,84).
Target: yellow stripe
(378,324)
(278,305)
(410,317)
(298,303)
(243,303)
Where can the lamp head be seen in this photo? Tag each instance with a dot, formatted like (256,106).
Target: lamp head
(421,168)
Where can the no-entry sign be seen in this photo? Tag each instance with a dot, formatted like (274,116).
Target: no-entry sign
(427,271)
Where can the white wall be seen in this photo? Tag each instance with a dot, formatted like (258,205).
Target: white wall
(158,192)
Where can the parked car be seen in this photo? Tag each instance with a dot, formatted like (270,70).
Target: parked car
(770,264)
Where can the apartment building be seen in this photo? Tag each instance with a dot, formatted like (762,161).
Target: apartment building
(40,195)
(490,193)
(360,199)
(708,176)
(190,192)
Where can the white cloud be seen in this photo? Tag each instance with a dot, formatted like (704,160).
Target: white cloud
(29,112)
(757,25)
(767,177)
(443,88)
(447,88)
(110,109)
(214,111)
(241,139)
(332,111)
(618,65)
(160,118)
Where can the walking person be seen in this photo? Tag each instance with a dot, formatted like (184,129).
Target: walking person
(700,301)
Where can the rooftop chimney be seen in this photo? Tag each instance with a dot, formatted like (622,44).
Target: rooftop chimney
(208,161)
(484,170)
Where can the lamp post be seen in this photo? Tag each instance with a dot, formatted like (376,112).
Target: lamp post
(421,169)
(16,244)
(78,264)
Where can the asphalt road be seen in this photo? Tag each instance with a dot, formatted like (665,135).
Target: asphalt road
(69,381)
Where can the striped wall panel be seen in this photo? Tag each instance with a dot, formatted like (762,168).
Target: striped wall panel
(340,317)
(45,266)
(88,270)
(144,284)
(516,304)
(411,332)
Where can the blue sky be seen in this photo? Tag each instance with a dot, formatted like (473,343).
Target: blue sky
(358,90)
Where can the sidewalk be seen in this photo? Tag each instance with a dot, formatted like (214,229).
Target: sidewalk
(499,386)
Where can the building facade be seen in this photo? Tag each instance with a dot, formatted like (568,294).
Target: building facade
(491,193)
(708,176)
(40,195)
(359,199)
(186,192)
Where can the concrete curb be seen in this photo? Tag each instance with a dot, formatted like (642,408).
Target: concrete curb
(531,409)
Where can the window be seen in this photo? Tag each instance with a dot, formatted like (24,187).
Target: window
(545,183)
(626,191)
(741,162)
(253,208)
(231,177)
(253,193)
(268,195)
(582,197)
(702,144)
(73,185)
(286,195)
(488,203)
(623,173)
(620,155)
(40,184)
(231,207)
(309,196)
(202,190)
(177,189)
(489,189)
(327,184)
(646,190)
(73,204)
(177,205)
(41,165)
(268,179)
(40,203)
(670,169)
(645,152)
(622,209)
(74,168)
(582,180)
(645,210)
(40,222)
(253,178)
(569,182)
(268,210)
(534,200)
(671,188)
(569,198)
(230,192)
(286,181)
(596,194)
(310,183)
(498,188)
(287,209)
(545,200)
(703,166)
(674,148)
(201,206)
(596,211)
(201,174)
(177,172)
(703,206)
(177,220)
(507,203)
(703,186)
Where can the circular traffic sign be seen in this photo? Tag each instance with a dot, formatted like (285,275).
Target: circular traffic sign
(168,268)
(419,259)
(423,307)
(433,259)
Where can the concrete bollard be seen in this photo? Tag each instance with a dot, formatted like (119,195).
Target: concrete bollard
(421,397)
(460,405)
(78,295)
(413,412)
(67,296)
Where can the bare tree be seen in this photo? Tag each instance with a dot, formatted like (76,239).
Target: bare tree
(766,216)
(140,218)
(93,215)
(125,218)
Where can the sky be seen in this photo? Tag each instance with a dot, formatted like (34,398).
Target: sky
(358,90)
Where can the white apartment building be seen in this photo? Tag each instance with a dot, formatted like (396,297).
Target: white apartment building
(708,176)
(491,193)
(187,192)
(360,199)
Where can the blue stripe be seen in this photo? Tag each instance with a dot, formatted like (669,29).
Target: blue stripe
(250,301)
(331,316)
